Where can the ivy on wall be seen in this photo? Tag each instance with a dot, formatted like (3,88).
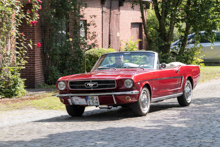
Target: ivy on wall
(13,44)
(64,46)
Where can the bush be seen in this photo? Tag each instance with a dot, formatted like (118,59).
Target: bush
(11,85)
(93,55)
(130,45)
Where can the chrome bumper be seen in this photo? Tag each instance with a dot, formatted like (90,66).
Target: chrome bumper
(98,94)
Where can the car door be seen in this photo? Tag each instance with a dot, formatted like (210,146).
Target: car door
(212,51)
(169,81)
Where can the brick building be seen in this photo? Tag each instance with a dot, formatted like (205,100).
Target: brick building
(33,72)
(115,20)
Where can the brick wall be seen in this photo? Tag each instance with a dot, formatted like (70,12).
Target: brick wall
(33,72)
(127,16)
(94,7)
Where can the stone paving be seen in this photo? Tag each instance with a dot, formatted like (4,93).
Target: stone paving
(167,125)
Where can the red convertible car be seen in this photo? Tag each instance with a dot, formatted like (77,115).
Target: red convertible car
(134,79)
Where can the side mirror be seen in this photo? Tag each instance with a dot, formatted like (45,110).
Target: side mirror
(163,65)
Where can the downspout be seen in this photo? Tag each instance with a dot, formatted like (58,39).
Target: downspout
(109,42)
(102,26)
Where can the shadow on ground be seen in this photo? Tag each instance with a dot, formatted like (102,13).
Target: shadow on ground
(107,114)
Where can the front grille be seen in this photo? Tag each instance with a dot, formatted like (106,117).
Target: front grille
(92,84)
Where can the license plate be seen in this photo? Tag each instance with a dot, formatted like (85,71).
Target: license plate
(79,101)
(92,100)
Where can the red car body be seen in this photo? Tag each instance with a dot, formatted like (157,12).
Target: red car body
(161,83)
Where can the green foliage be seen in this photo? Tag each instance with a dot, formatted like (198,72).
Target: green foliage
(189,56)
(92,56)
(11,85)
(64,46)
(182,18)
(153,39)
(46,86)
(130,45)
(13,45)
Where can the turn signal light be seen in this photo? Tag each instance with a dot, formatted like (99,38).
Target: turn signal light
(62,100)
(128,98)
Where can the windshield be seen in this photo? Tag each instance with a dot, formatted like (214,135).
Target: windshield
(126,60)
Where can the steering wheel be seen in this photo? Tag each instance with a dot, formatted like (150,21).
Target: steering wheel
(143,65)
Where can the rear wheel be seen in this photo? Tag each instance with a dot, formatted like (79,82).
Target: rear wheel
(142,106)
(186,98)
(75,110)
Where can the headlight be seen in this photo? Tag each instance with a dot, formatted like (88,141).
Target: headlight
(61,85)
(128,83)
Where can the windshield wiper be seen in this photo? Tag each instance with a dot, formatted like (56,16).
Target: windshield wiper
(133,67)
(103,68)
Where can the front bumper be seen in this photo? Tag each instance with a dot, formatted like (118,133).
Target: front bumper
(98,94)
(111,98)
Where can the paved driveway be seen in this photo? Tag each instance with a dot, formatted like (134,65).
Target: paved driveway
(166,125)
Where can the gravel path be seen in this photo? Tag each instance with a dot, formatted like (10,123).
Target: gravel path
(166,125)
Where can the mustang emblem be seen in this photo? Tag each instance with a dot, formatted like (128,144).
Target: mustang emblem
(91,84)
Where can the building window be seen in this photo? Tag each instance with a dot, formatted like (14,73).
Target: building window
(137,33)
(83,28)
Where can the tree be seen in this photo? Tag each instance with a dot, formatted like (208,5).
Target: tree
(186,15)
(64,46)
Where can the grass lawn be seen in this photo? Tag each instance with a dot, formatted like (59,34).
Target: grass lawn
(48,101)
(209,73)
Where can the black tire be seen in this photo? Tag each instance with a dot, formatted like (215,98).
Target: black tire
(75,110)
(186,98)
(142,106)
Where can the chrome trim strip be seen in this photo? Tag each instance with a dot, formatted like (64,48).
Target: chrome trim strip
(98,94)
(176,77)
(180,85)
(166,97)
(182,82)
(114,99)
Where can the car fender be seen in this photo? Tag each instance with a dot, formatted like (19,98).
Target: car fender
(143,84)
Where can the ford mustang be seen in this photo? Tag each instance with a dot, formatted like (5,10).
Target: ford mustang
(135,79)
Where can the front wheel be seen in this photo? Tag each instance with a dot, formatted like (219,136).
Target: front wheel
(186,98)
(75,110)
(142,106)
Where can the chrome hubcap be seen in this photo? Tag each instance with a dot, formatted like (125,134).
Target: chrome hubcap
(144,101)
(188,92)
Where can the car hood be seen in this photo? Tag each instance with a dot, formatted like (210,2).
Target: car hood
(107,74)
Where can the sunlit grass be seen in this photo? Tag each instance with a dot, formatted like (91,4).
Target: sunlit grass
(209,73)
(45,101)
(48,103)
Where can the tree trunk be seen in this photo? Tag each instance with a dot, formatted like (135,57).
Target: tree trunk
(149,41)
(184,42)
(165,48)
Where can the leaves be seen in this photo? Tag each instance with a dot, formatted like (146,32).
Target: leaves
(130,45)
(182,17)
(64,47)
(13,55)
